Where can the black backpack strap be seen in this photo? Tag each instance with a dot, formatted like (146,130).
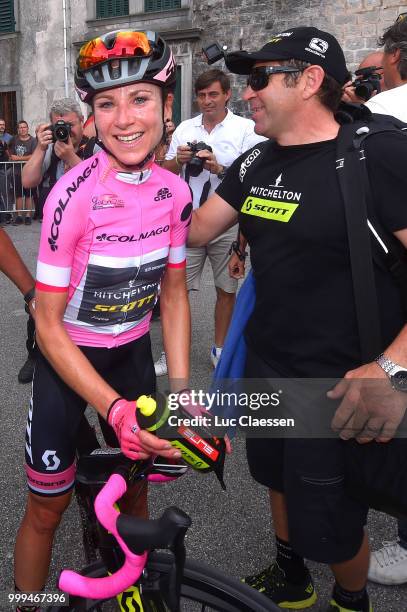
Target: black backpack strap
(352,185)
(388,252)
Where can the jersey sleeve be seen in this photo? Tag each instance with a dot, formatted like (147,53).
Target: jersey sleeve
(64,222)
(181,220)
(386,162)
(230,188)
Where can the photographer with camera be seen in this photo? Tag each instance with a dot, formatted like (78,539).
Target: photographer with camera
(394,100)
(61,146)
(369,80)
(201,150)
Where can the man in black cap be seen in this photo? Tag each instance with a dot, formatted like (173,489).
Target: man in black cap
(285,195)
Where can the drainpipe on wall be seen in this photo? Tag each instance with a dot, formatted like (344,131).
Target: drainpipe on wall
(65,51)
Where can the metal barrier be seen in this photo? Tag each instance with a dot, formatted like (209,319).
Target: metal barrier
(14,199)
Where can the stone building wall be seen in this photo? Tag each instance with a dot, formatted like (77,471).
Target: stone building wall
(32,58)
(356,23)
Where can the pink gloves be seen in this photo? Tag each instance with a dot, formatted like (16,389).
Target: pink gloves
(122,417)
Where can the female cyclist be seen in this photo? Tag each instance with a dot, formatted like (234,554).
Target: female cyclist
(114,233)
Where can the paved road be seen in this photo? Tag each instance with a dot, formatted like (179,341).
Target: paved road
(231,530)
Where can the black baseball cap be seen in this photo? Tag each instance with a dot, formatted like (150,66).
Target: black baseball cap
(305,43)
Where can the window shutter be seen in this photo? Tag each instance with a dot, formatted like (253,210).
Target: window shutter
(111,8)
(7,21)
(161,5)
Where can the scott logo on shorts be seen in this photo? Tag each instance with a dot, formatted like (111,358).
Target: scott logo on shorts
(50,459)
(268,209)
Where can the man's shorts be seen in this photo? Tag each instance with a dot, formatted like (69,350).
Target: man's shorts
(218,253)
(56,411)
(325,524)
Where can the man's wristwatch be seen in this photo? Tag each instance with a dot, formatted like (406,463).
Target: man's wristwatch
(396,373)
(221,175)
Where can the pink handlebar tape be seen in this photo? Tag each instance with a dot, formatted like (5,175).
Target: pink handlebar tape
(109,586)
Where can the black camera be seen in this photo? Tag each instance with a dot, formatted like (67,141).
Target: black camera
(60,130)
(195,166)
(214,52)
(367,82)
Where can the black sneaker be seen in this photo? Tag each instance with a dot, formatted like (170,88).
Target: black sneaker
(27,220)
(274,585)
(257,580)
(26,373)
(18,220)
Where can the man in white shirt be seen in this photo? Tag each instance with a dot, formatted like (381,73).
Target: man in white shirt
(228,136)
(394,100)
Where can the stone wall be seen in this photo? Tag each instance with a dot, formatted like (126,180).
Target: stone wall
(32,59)
(356,23)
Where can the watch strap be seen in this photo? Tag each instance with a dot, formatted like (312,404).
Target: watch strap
(388,365)
(221,175)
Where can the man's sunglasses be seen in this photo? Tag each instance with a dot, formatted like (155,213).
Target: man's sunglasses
(259,77)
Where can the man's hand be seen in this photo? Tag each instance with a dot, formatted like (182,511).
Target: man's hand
(184,155)
(211,163)
(236,267)
(194,409)
(66,152)
(44,136)
(370,408)
(349,96)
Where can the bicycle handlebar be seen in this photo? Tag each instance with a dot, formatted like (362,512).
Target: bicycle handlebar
(109,586)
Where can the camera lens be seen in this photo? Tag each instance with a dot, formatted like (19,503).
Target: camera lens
(61,133)
(364,90)
(196,166)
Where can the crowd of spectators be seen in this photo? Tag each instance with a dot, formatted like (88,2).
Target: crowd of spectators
(16,202)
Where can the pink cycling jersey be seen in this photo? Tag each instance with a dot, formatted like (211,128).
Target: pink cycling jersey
(107,239)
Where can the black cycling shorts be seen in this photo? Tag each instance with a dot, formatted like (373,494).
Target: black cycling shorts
(325,524)
(56,411)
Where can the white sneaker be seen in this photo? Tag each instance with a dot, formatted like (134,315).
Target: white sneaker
(215,355)
(160,366)
(388,565)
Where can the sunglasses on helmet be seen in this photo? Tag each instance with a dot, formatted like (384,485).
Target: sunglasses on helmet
(401,17)
(259,77)
(121,45)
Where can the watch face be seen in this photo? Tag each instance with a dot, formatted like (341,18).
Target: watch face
(399,380)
